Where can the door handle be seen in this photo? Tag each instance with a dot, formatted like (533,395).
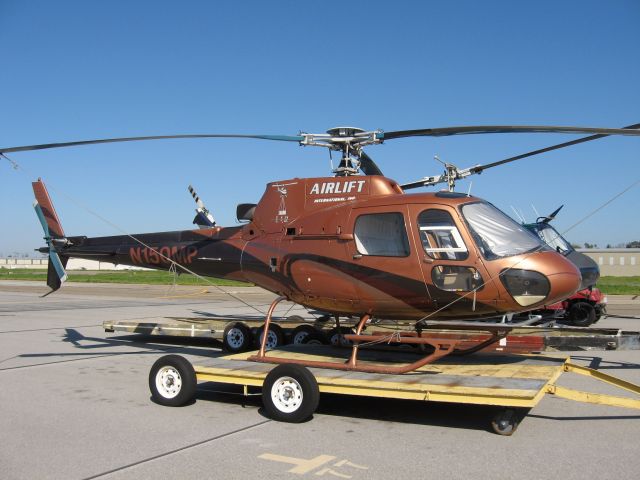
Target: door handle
(356,256)
(427,259)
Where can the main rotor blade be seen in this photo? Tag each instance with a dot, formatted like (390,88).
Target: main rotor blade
(281,138)
(481,168)
(470,130)
(368,166)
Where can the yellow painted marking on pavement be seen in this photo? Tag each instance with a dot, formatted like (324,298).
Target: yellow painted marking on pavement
(302,465)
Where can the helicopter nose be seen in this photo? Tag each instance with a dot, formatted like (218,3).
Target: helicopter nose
(563,285)
(545,279)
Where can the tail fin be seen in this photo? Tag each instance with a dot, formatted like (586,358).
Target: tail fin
(53,235)
(42,198)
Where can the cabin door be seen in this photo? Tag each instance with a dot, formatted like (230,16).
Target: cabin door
(385,263)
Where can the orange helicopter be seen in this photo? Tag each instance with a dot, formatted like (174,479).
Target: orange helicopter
(354,244)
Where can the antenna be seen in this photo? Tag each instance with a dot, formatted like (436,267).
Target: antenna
(517,214)
(522,215)
(536,211)
(469,191)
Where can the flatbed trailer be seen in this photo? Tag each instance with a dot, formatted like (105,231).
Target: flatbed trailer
(512,383)
(236,334)
(241,334)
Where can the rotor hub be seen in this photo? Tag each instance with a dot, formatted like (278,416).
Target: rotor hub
(344,131)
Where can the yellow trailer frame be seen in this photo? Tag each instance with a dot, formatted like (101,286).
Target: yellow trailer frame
(515,382)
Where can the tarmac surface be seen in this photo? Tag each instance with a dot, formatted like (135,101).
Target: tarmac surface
(75,404)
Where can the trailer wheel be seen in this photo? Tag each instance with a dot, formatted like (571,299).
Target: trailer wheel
(506,421)
(300,333)
(290,393)
(582,314)
(172,381)
(237,338)
(336,336)
(315,338)
(275,337)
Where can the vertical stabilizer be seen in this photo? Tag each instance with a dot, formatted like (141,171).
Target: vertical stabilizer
(53,233)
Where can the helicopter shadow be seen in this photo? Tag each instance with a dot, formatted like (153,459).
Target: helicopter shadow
(598,363)
(92,346)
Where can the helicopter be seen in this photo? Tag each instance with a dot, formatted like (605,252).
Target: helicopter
(588,304)
(354,243)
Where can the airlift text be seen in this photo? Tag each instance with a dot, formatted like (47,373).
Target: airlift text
(328,188)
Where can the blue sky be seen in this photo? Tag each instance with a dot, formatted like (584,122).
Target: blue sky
(82,70)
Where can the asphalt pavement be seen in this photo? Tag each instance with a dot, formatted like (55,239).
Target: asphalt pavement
(75,404)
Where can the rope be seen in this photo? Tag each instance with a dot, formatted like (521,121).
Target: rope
(16,166)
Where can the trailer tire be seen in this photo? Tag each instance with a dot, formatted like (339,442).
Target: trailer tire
(506,422)
(300,333)
(336,336)
(316,338)
(582,314)
(172,381)
(237,338)
(290,393)
(275,337)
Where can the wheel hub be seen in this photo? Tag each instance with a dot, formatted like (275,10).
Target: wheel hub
(168,382)
(235,338)
(286,394)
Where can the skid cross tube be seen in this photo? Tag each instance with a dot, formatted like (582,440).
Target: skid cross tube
(441,348)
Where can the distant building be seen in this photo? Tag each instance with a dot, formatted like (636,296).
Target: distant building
(616,262)
(74,264)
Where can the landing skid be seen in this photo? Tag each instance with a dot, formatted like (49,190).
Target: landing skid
(441,347)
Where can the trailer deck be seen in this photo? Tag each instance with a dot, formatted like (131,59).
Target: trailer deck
(512,383)
(502,380)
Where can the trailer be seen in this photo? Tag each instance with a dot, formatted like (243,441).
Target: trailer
(236,334)
(291,392)
(239,334)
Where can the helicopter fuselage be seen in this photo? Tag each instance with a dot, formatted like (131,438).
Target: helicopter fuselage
(355,245)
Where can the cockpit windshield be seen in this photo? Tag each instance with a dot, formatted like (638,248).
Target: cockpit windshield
(551,237)
(496,234)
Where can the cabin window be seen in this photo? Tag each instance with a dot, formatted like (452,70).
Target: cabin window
(440,236)
(456,279)
(382,234)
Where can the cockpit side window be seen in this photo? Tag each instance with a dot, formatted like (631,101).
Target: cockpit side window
(440,236)
(381,234)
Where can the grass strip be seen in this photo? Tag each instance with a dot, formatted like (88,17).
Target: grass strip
(148,277)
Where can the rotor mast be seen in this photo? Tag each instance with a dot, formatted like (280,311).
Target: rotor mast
(349,141)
